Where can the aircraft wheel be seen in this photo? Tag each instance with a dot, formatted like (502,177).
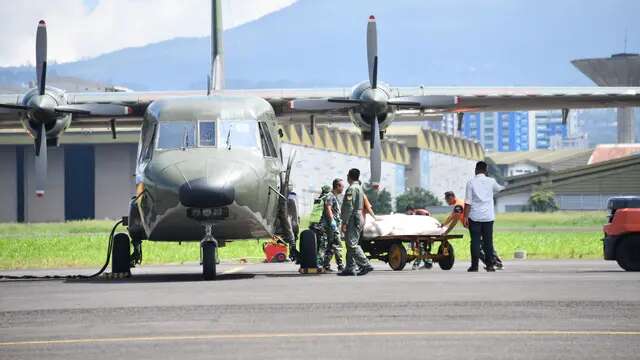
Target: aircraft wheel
(120,257)
(628,253)
(446,261)
(209,251)
(308,250)
(397,256)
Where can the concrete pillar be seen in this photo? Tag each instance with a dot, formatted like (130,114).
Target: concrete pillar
(626,125)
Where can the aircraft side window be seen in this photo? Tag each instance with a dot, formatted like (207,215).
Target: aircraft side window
(207,133)
(147,140)
(268,148)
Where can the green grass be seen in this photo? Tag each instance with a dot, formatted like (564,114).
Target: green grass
(83,243)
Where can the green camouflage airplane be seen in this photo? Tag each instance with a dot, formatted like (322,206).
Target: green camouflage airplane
(210,166)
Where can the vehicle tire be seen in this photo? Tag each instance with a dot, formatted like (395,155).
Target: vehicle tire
(308,250)
(397,256)
(628,253)
(209,251)
(120,254)
(446,262)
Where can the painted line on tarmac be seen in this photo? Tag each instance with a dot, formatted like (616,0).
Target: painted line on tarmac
(250,336)
(234,270)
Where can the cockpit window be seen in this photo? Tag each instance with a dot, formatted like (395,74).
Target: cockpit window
(239,134)
(176,135)
(207,133)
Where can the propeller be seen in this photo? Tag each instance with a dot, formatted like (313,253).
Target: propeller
(43,109)
(374,103)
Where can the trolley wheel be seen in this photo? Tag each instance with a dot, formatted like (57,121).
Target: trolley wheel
(446,261)
(209,251)
(120,256)
(397,256)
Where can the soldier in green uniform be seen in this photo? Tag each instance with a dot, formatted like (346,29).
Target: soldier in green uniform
(352,224)
(331,222)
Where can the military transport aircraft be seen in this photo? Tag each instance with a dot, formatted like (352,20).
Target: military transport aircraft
(210,167)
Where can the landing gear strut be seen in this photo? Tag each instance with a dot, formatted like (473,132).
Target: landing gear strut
(209,251)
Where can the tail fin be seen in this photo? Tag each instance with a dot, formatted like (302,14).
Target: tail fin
(217,63)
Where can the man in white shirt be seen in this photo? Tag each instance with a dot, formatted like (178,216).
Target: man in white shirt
(479,215)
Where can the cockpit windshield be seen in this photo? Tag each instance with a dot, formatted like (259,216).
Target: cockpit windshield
(239,134)
(176,135)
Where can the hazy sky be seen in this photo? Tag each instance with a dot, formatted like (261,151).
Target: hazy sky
(85,28)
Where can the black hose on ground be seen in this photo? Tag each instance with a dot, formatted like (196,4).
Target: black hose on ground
(98,273)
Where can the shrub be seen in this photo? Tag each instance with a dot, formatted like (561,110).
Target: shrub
(380,200)
(542,201)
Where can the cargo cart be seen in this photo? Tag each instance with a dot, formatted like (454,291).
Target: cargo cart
(391,249)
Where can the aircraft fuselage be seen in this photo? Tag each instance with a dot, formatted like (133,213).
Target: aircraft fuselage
(217,154)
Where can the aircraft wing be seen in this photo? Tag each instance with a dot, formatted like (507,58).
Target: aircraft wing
(417,101)
(486,99)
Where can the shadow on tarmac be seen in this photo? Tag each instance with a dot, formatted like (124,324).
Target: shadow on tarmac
(159,278)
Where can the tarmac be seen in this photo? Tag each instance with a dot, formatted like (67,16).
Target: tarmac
(531,310)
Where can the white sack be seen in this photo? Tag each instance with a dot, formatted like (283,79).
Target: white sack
(401,224)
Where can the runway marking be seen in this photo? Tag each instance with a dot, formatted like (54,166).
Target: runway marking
(234,270)
(321,334)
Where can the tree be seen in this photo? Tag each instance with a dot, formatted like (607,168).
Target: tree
(418,198)
(542,201)
(380,200)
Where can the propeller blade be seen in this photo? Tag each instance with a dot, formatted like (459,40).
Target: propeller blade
(320,104)
(376,153)
(95,109)
(41,160)
(14,107)
(41,56)
(425,102)
(372,51)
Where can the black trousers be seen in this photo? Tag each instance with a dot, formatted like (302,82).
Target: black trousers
(481,234)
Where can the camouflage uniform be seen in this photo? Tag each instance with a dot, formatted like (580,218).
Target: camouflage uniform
(351,215)
(332,230)
(317,224)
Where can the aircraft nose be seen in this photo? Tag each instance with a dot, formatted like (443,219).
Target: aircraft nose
(202,194)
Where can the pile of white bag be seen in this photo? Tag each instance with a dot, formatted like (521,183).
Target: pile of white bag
(401,224)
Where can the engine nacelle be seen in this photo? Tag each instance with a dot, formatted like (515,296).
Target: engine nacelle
(55,123)
(364,90)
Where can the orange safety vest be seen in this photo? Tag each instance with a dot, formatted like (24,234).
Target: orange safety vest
(458,209)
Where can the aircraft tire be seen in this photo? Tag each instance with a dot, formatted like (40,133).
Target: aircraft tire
(209,251)
(120,254)
(308,250)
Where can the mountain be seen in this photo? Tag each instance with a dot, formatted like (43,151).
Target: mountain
(431,42)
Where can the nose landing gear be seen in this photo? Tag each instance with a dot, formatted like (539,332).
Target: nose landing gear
(209,253)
